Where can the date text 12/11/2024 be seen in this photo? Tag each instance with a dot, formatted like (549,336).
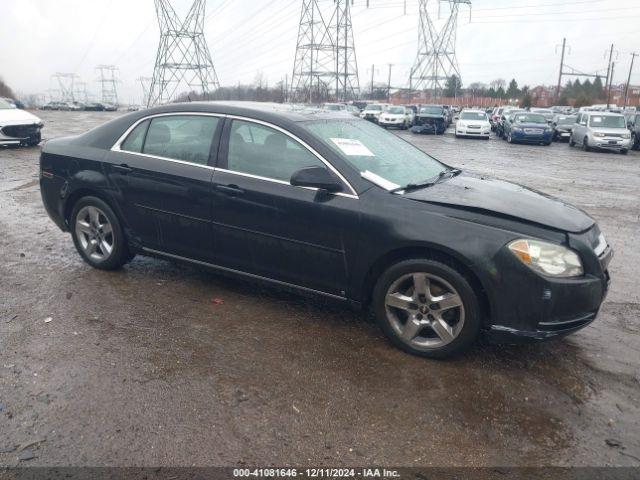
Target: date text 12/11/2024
(316,473)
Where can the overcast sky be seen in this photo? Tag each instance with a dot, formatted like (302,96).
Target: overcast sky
(503,39)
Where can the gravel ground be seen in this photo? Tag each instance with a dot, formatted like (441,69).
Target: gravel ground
(141,368)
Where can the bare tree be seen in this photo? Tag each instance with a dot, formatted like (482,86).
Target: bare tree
(5,90)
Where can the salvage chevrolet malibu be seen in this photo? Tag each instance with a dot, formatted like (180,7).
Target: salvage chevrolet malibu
(333,205)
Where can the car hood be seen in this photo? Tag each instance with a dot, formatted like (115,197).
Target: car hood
(531,125)
(608,131)
(431,115)
(497,197)
(15,116)
(473,122)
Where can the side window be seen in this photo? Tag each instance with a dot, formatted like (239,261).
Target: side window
(181,137)
(259,150)
(135,140)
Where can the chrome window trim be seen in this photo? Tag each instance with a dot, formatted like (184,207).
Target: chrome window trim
(117,147)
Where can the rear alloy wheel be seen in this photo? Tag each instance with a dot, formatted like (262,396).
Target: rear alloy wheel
(97,234)
(427,308)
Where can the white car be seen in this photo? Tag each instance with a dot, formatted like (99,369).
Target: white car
(18,127)
(373,111)
(398,117)
(473,123)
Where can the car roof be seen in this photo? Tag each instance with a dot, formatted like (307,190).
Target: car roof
(258,110)
(605,114)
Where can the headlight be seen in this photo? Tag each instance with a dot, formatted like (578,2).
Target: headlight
(626,135)
(516,129)
(547,258)
(597,134)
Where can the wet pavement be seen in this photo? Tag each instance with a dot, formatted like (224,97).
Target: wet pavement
(142,367)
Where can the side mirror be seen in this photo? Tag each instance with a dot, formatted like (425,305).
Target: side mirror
(316,177)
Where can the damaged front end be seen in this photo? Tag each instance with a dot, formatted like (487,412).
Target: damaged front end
(429,124)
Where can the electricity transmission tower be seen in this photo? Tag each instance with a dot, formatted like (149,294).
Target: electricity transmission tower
(347,82)
(66,86)
(436,60)
(80,92)
(108,83)
(183,57)
(325,64)
(145,82)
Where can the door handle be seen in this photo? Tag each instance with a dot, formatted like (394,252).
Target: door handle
(230,189)
(123,168)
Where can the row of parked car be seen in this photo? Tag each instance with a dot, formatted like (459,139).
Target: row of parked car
(419,118)
(77,106)
(588,128)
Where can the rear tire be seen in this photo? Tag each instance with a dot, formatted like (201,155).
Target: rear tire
(97,234)
(442,316)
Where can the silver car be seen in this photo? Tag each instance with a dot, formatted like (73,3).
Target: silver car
(601,130)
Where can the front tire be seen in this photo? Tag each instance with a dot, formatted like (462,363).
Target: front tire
(97,234)
(585,145)
(427,308)
(572,142)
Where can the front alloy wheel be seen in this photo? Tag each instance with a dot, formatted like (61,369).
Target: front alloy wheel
(427,308)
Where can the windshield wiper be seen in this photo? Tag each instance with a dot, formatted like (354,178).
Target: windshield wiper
(429,183)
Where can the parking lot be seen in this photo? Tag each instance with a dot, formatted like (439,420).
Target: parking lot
(163,364)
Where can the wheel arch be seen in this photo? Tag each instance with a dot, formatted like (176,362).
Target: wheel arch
(82,192)
(430,252)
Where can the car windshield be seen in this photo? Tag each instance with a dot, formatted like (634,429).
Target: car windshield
(368,148)
(4,105)
(397,110)
(566,120)
(530,118)
(473,116)
(431,110)
(334,107)
(607,121)
(375,108)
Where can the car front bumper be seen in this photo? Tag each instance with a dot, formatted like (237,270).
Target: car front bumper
(610,143)
(524,137)
(473,132)
(18,134)
(535,308)
(392,123)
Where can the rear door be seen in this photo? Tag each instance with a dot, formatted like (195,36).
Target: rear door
(265,226)
(163,171)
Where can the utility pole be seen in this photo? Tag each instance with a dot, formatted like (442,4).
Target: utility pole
(389,84)
(626,88)
(606,83)
(373,70)
(613,65)
(564,45)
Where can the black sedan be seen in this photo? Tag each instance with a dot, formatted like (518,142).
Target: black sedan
(333,205)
